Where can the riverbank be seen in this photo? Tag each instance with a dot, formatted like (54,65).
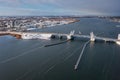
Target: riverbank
(28,23)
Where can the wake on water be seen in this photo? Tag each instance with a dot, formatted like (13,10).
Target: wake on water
(45,72)
(22,54)
(27,52)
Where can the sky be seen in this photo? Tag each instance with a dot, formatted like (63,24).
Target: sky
(59,7)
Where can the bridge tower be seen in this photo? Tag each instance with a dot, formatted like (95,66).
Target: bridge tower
(118,36)
(118,41)
(70,36)
(92,37)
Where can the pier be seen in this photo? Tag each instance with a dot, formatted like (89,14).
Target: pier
(80,56)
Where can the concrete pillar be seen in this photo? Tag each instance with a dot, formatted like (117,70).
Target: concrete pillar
(92,37)
(118,36)
(70,36)
(60,36)
(118,41)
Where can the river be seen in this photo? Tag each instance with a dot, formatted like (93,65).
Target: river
(30,60)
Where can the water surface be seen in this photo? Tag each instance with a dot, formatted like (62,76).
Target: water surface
(29,60)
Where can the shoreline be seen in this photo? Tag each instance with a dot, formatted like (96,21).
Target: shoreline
(29,23)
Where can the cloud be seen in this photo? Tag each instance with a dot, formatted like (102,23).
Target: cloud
(38,1)
(10,3)
(65,6)
(102,6)
(9,11)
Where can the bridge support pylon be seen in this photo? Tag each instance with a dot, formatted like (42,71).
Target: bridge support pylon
(118,41)
(92,37)
(70,36)
(60,36)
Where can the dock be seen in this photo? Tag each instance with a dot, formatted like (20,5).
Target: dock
(80,56)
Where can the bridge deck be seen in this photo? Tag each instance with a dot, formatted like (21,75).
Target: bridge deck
(59,34)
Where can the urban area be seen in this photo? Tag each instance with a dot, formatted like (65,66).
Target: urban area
(32,22)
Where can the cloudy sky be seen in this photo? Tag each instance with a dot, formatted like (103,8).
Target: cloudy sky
(59,7)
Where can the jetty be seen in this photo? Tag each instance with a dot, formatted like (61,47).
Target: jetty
(80,56)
